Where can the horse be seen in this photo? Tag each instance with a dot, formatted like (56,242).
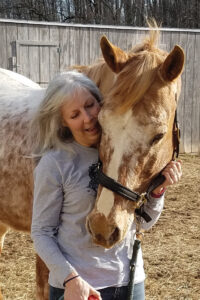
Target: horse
(139,89)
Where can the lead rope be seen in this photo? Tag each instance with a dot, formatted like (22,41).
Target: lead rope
(133,261)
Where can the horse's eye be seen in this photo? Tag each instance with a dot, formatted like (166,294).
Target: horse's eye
(156,138)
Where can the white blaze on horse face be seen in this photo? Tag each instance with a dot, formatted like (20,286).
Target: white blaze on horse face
(119,129)
(105,202)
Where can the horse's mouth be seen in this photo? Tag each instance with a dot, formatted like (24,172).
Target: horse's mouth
(100,240)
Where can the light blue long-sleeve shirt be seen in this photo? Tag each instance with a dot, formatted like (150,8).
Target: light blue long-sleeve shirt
(62,201)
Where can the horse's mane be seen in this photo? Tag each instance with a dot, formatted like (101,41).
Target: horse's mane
(98,72)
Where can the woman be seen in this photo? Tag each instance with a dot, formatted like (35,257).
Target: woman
(68,134)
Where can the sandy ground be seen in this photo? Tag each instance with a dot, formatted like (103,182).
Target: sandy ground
(171,248)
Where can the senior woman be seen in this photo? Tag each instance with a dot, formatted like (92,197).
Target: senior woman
(66,146)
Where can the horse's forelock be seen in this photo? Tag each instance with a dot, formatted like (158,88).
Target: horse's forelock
(134,80)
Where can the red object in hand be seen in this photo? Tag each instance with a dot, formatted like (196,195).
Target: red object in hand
(92,298)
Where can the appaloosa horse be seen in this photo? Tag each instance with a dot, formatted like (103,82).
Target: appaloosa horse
(140,89)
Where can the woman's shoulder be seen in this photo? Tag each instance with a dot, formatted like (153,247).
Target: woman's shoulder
(55,158)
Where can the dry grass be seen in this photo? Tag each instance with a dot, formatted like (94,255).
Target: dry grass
(171,249)
(17,265)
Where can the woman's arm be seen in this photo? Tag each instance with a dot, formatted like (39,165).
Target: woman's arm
(47,205)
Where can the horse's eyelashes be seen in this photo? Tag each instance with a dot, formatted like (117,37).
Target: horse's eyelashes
(157,138)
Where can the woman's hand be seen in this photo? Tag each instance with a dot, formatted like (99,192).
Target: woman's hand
(172,173)
(79,289)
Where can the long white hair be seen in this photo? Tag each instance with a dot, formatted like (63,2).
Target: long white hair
(47,127)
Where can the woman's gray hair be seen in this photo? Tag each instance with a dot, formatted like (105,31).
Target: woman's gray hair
(47,127)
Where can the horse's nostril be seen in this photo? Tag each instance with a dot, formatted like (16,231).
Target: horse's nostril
(100,238)
(114,236)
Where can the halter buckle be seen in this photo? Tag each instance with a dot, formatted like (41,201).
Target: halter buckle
(142,199)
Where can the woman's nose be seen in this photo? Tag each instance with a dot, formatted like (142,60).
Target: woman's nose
(87,116)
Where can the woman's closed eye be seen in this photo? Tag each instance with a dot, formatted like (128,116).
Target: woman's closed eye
(74,115)
(90,105)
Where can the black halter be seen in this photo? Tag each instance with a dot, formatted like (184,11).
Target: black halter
(99,177)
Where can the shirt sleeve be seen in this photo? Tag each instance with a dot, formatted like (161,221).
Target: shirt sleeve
(47,204)
(153,207)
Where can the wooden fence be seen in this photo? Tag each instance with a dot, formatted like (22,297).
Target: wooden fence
(39,50)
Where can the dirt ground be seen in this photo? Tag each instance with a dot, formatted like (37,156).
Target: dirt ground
(171,248)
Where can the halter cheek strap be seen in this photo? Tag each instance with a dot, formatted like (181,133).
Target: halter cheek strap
(176,137)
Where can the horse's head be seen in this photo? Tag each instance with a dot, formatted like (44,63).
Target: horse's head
(137,124)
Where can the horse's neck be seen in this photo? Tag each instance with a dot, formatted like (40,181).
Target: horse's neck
(20,101)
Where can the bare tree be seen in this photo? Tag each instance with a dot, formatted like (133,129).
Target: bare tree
(171,13)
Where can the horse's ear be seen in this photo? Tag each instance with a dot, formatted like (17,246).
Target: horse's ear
(173,64)
(114,56)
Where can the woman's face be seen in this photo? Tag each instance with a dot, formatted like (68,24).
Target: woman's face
(80,115)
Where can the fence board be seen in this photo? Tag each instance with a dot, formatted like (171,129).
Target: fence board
(189,71)
(44,57)
(166,40)
(23,34)
(54,65)
(11,36)
(196,100)
(3,48)
(131,40)
(94,40)
(65,49)
(82,56)
(122,42)
(74,47)
(34,54)
(181,107)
